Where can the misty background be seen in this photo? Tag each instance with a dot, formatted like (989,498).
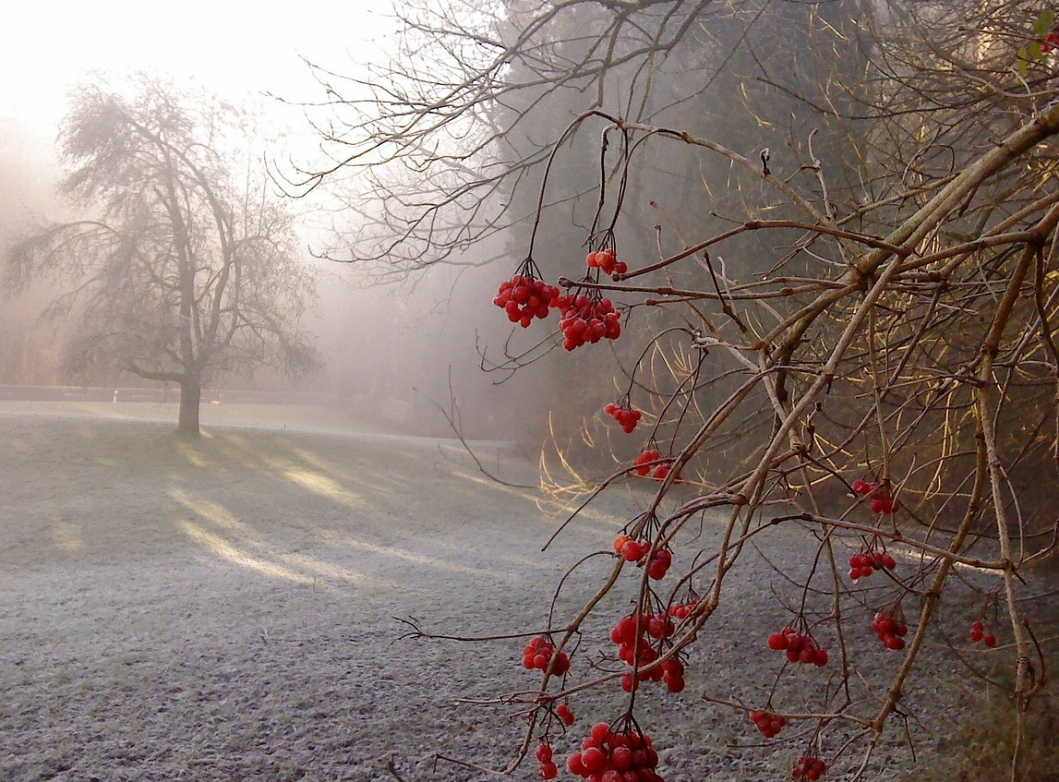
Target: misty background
(396,347)
(406,329)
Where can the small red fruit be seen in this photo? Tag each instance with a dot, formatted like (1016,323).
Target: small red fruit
(575,765)
(633,550)
(593,760)
(564,713)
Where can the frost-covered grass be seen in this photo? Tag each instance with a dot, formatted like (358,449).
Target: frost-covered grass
(227,609)
(224,609)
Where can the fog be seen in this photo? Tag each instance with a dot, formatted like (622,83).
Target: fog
(404,351)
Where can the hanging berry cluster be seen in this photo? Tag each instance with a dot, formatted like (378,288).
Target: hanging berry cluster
(642,463)
(565,713)
(635,551)
(586,319)
(548,769)
(681,611)
(606,262)
(800,647)
(627,754)
(864,563)
(768,723)
(538,654)
(625,416)
(891,631)
(882,501)
(630,634)
(642,466)
(809,768)
(978,633)
(525,297)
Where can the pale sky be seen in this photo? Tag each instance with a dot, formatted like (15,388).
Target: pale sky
(231,47)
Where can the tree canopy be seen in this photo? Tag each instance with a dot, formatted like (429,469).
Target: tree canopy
(184,263)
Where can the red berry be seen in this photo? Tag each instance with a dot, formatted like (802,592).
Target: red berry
(549,770)
(989,640)
(893,642)
(601,731)
(621,758)
(861,488)
(633,551)
(777,642)
(575,765)
(561,664)
(593,760)
(625,416)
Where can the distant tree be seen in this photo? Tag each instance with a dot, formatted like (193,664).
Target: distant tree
(184,264)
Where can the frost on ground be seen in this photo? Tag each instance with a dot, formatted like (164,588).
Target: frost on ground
(228,610)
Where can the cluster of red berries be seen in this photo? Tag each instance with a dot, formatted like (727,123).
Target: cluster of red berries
(768,723)
(538,655)
(607,756)
(670,673)
(524,298)
(563,712)
(655,625)
(548,768)
(1051,41)
(634,647)
(809,767)
(625,416)
(682,611)
(642,465)
(978,633)
(634,551)
(659,564)
(587,319)
(882,501)
(605,261)
(891,631)
(800,647)
(864,563)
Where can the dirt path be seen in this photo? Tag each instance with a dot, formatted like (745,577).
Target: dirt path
(226,611)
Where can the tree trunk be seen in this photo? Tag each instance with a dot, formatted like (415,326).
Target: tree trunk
(190,395)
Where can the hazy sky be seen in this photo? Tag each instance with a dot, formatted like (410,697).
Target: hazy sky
(231,47)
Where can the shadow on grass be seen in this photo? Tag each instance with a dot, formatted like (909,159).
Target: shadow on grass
(331,511)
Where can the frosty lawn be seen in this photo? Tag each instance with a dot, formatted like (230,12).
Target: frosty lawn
(225,609)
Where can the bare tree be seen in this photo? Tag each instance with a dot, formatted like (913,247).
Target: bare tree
(184,264)
(881,373)
(443,146)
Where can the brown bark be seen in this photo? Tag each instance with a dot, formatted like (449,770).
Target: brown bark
(190,396)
